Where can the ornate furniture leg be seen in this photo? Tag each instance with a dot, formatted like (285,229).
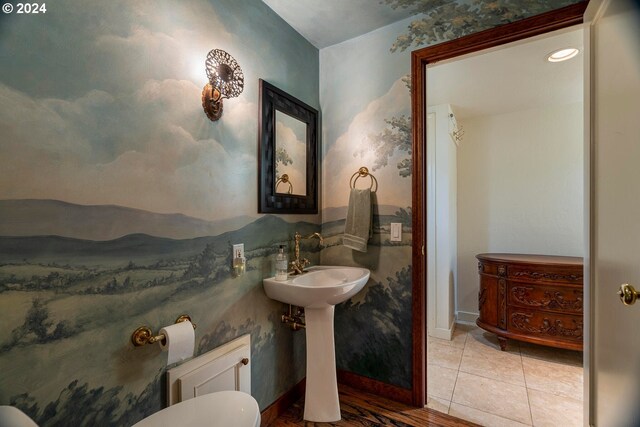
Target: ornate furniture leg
(503,343)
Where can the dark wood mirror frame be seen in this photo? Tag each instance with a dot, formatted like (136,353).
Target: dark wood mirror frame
(273,99)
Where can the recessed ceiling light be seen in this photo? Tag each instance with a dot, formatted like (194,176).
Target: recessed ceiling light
(562,54)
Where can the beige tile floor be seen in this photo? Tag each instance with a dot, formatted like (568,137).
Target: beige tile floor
(527,385)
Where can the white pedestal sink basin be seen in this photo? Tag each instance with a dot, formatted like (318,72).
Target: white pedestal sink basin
(318,291)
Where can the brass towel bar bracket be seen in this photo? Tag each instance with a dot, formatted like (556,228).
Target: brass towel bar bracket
(362,172)
(143,334)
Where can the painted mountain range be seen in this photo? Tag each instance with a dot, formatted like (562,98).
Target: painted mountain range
(33,217)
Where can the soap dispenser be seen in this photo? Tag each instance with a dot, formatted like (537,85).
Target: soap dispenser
(282,265)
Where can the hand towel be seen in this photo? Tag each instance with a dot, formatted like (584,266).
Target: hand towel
(357,229)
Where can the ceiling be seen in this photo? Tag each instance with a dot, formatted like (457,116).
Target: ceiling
(512,78)
(475,85)
(327,22)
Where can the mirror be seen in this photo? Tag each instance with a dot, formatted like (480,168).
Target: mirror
(287,166)
(291,155)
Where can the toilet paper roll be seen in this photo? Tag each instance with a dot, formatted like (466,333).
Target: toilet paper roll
(179,341)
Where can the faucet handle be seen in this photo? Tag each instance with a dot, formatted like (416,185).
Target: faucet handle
(296,267)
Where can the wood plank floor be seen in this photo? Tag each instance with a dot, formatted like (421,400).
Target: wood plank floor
(364,409)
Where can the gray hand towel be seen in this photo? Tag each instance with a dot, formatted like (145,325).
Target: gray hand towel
(357,229)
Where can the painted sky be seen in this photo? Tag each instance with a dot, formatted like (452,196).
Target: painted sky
(354,73)
(100,104)
(353,149)
(291,136)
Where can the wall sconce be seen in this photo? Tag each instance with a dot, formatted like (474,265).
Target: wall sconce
(225,81)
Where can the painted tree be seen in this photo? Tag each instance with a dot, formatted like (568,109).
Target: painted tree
(37,320)
(404,216)
(395,137)
(282,159)
(440,20)
(378,322)
(202,265)
(37,327)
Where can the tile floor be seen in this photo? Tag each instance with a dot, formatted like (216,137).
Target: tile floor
(527,385)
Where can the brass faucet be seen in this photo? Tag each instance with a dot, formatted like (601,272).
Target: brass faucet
(298,265)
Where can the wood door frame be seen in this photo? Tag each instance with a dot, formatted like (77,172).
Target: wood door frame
(529,27)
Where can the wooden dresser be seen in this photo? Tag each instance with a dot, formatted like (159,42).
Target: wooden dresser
(533,298)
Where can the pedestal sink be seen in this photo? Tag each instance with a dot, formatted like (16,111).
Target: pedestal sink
(318,291)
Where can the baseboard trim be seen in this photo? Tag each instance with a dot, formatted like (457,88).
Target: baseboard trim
(280,406)
(443,334)
(466,317)
(389,391)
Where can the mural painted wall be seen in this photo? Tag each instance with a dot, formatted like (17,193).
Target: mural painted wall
(119,200)
(365,103)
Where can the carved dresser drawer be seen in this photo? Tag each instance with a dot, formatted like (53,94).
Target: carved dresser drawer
(551,274)
(552,326)
(533,298)
(561,299)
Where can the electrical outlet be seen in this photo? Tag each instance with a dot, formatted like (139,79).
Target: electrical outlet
(396,232)
(238,250)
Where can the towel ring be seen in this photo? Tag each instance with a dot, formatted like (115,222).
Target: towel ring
(362,172)
(284,179)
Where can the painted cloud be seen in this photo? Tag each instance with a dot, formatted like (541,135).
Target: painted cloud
(134,138)
(353,149)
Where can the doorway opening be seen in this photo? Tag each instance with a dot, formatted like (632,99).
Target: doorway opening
(505,170)
(542,24)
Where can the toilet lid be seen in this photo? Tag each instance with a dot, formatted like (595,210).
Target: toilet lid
(14,417)
(223,409)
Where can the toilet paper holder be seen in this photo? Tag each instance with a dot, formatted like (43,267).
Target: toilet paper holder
(143,334)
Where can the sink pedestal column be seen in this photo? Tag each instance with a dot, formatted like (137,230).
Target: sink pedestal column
(321,403)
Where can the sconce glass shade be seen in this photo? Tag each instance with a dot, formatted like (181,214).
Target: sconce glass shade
(226,80)
(224,73)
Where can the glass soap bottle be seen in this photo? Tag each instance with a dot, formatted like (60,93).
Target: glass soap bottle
(282,265)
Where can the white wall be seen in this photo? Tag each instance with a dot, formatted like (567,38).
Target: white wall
(441,222)
(520,189)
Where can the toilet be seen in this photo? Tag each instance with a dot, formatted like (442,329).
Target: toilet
(219,409)
(11,416)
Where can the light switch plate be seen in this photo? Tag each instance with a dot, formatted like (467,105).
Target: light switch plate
(396,232)
(238,250)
